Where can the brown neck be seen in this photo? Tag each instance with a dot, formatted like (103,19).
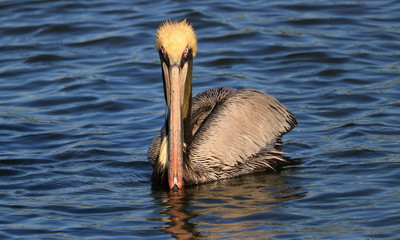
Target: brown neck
(187,109)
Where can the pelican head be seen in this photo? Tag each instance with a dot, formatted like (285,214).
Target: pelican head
(176,43)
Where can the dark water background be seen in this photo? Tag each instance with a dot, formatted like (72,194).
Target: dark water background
(81,98)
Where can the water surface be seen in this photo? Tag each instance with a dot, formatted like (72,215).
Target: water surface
(81,98)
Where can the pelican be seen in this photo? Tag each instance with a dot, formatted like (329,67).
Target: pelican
(220,133)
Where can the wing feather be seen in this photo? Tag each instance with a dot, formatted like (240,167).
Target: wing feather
(242,124)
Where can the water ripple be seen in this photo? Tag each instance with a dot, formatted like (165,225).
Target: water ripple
(81,98)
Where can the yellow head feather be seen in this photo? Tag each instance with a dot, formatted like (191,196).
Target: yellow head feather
(174,37)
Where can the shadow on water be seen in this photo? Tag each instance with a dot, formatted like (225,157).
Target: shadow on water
(239,207)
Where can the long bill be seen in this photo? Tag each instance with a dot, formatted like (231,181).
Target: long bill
(175,77)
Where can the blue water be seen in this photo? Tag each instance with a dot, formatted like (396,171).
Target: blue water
(81,98)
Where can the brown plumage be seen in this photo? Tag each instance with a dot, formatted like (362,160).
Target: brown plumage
(232,132)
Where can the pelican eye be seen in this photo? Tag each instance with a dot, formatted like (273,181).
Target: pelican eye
(164,53)
(185,52)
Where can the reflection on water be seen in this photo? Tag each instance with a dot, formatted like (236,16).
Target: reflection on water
(179,225)
(228,208)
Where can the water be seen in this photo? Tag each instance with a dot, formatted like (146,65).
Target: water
(81,98)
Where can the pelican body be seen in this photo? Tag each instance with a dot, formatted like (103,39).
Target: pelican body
(220,133)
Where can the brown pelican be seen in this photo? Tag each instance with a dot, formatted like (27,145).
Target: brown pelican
(220,133)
